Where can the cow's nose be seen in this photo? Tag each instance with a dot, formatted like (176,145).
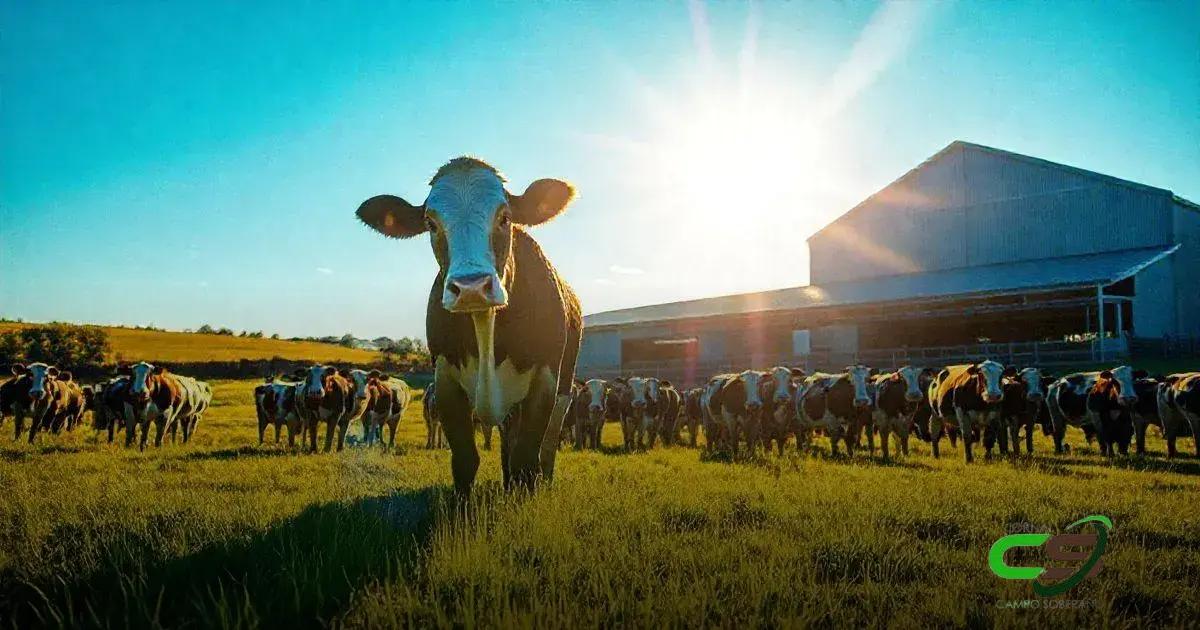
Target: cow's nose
(477,292)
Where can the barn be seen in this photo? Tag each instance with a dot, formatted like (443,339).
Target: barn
(976,252)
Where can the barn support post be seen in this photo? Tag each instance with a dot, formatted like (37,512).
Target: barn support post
(1100,319)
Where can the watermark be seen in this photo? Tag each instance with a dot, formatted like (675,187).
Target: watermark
(1082,549)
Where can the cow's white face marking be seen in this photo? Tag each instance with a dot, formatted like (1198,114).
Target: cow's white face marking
(859,374)
(992,373)
(464,205)
(360,378)
(595,389)
(141,372)
(39,373)
(912,382)
(638,386)
(1124,377)
(750,380)
(314,383)
(783,381)
(1032,379)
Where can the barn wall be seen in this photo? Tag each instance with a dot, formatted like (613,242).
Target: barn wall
(974,207)
(1154,301)
(599,351)
(1186,263)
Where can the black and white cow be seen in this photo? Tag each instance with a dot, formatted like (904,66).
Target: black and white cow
(1024,398)
(590,423)
(741,405)
(715,435)
(836,404)
(1179,404)
(898,396)
(1102,400)
(778,393)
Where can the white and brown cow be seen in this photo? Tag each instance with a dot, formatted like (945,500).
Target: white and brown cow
(740,405)
(639,415)
(898,396)
(48,396)
(435,437)
(386,401)
(326,398)
(667,405)
(837,404)
(589,423)
(692,410)
(968,398)
(503,327)
(715,435)
(154,396)
(1102,401)
(778,394)
(1179,404)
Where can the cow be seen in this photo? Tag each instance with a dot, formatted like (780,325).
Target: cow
(638,413)
(327,398)
(667,404)
(15,400)
(434,436)
(593,409)
(386,398)
(715,435)
(838,404)
(1024,398)
(168,400)
(968,398)
(1179,404)
(898,396)
(740,407)
(566,433)
(51,398)
(693,413)
(778,418)
(1145,411)
(503,327)
(1102,400)
(197,396)
(362,396)
(279,407)
(109,406)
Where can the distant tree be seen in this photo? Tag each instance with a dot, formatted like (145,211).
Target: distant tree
(347,341)
(258,334)
(275,335)
(206,330)
(225,331)
(64,345)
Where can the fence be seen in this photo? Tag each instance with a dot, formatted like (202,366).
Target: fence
(1166,347)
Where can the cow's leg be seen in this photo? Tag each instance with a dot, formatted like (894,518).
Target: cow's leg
(935,433)
(1002,431)
(392,424)
(1139,430)
(160,427)
(1194,423)
(112,427)
(277,427)
(902,436)
(144,425)
(343,425)
(454,411)
(966,429)
(884,430)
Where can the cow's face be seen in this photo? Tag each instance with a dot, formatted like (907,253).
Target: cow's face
(360,380)
(314,381)
(39,374)
(470,217)
(1031,378)
(990,374)
(139,379)
(782,377)
(596,390)
(859,375)
(653,387)
(912,382)
(752,380)
(637,389)
(1124,378)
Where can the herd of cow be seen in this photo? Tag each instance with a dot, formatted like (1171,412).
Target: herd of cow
(985,402)
(141,394)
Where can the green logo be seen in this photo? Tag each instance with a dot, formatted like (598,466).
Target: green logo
(1061,548)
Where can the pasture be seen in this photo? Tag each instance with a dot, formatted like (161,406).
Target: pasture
(226,533)
(132,344)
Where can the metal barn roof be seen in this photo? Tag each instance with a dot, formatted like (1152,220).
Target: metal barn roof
(1013,277)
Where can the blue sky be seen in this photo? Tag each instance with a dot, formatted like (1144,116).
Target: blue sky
(183,165)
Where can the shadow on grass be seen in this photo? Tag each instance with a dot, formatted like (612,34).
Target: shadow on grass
(243,451)
(1179,465)
(301,572)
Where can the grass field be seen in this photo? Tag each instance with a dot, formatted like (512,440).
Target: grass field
(131,344)
(225,533)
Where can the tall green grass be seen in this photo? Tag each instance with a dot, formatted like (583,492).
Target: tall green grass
(224,533)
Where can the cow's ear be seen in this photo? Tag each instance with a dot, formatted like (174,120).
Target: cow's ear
(929,372)
(64,376)
(373,374)
(392,216)
(664,383)
(52,372)
(797,372)
(18,369)
(1106,374)
(344,372)
(973,370)
(542,200)
(1140,374)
